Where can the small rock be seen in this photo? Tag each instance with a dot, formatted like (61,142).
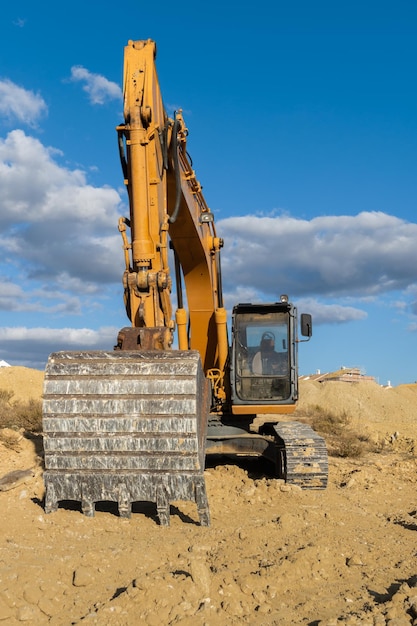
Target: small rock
(286,522)
(232,606)
(5,612)
(398,621)
(14,479)
(413,606)
(9,436)
(259,596)
(272,591)
(264,609)
(391,614)
(200,574)
(9,597)
(83,576)
(27,614)
(246,588)
(399,597)
(50,606)
(32,594)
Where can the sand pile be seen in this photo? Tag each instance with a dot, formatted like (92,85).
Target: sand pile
(25,383)
(377,410)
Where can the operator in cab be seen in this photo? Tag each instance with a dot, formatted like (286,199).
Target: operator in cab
(266,361)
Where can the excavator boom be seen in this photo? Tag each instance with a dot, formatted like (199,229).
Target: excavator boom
(166,201)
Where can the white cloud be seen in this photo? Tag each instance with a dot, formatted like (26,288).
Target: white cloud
(76,337)
(367,254)
(31,346)
(13,298)
(99,88)
(19,22)
(237,293)
(76,284)
(34,187)
(324,313)
(52,219)
(61,252)
(17,103)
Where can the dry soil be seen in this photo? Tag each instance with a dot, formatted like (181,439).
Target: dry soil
(273,555)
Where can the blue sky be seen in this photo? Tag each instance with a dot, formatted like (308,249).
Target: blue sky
(303,133)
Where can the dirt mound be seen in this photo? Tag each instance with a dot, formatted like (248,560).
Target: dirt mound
(25,383)
(273,554)
(378,411)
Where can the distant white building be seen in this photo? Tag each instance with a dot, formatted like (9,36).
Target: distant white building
(4,364)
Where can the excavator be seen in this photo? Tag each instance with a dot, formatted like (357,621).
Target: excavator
(137,423)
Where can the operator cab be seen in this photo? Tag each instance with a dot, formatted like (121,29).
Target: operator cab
(264,353)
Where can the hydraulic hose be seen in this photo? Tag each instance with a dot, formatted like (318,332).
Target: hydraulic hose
(178,280)
(174,147)
(163,138)
(219,280)
(122,153)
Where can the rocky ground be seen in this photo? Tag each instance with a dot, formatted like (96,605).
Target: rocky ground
(273,555)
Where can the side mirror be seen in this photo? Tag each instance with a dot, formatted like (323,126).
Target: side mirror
(306,325)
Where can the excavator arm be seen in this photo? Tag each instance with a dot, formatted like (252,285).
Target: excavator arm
(143,141)
(166,206)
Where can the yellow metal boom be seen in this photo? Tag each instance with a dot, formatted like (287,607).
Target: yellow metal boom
(166,203)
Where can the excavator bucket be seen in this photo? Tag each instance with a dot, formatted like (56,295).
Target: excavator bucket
(125,427)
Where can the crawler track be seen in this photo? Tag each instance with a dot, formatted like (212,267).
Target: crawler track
(303,455)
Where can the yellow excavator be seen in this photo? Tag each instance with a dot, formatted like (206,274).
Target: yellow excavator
(136,423)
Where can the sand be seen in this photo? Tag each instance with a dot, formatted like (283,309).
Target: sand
(273,555)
